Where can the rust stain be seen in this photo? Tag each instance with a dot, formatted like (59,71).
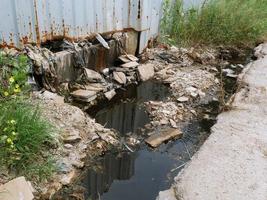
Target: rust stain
(139,10)
(100,60)
(37,30)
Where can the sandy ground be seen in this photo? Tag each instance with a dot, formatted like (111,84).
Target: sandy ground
(232,163)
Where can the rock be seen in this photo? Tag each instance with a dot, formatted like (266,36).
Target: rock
(173,123)
(105,71)
(146,72)
(228,71)
(67,178)
(183,99)
(78,164)
(130,65)
(73,137)
(110,94)
(120,77)
(97,87)
(46,95)
(17,189)
(128,58)
(240,66)
(167,195)
(92,76)
(157,139)
(84,95)
(68,146)
(232,75)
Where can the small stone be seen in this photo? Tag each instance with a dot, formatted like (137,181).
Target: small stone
(183,99)
(83,94)
(120,77)
(73,137)
(130,65)
(67,178)
(92,76)
(173,123)
(68,146)
(110,94)
(232,75)
(146,72)
(240,66)
(78,164)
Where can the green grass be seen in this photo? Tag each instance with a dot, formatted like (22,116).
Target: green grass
(25,140)
(216,22)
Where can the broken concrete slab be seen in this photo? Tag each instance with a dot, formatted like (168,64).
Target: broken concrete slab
(183,99)
(110,94)
(17,189)
(157,139)
(146,72)
(167,195)
(83,94)
(120,77)
(97,87)
(130,65)
(92,76)
(128,58)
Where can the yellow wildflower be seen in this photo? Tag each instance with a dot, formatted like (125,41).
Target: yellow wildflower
(12,121)
(6,93)
(14,133)
(11,79)
(9,140)
(17,86)
(17,90)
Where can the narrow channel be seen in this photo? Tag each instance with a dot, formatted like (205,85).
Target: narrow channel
(142,174)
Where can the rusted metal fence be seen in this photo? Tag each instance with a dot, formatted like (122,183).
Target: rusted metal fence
(36,21)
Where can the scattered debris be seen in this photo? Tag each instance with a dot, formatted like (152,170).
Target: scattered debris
(128,58)
(110,94)
(120,77)
(102,41)
(183,99)
(130,65)
(84,95)
(146,72)
(92,76)
(157,139)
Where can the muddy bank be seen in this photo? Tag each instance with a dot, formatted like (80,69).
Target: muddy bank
(231,163)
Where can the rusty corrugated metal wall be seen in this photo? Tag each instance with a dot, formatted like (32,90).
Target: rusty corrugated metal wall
(36,21)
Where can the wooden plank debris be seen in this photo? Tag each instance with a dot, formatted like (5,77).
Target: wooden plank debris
(156,140)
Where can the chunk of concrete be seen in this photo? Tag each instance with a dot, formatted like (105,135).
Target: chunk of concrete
(130,65)
(120,77)
(17,189)
(157,139)
(110,94)
(183,99)
(128,58)
(146,72)
(83,94)
(167,195)
(92,76)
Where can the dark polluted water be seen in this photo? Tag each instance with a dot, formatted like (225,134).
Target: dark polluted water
(142,174)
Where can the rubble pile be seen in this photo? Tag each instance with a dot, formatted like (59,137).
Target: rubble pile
(81,136)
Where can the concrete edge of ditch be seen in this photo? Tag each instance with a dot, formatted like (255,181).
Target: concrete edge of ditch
(232,162)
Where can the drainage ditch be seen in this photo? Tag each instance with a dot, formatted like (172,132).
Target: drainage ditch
(142,172)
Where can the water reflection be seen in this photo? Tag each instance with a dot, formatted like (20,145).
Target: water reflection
(129,115)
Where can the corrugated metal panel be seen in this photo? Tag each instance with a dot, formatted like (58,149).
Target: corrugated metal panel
(37,21)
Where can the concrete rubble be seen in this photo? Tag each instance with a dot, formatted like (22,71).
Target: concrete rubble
(80,135)
(17,189)
(232,162)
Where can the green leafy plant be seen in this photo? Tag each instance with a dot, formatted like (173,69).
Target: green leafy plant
(216,22)
(13,74)
(25,138)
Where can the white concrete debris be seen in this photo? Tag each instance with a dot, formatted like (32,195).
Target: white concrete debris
(232,162)
(146,72)
(120,77)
